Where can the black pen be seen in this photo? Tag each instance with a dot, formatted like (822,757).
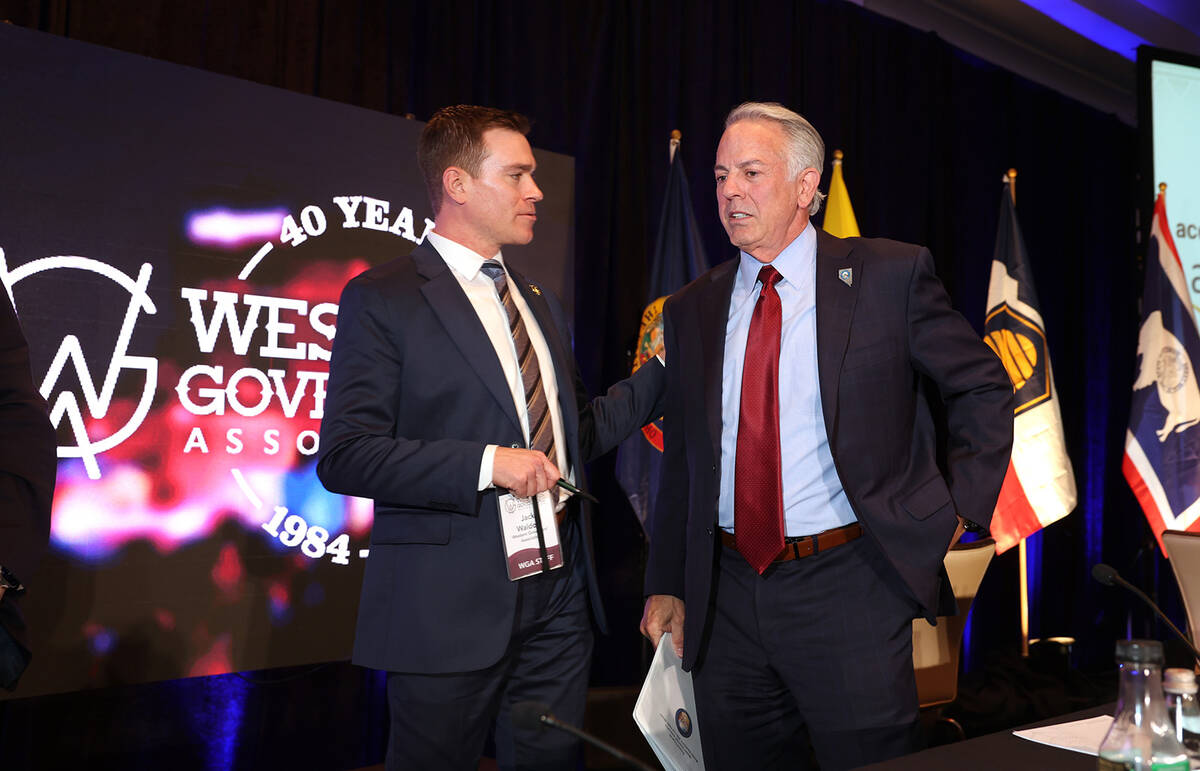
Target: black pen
(564,484)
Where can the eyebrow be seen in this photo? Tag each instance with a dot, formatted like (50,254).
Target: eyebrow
(741,165)
(519,167)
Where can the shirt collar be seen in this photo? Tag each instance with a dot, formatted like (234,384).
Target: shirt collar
(464,261)
(794,263)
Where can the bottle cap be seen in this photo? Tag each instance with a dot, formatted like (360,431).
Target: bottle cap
(1140,651)
(1178,680)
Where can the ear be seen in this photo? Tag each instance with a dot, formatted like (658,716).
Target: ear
(806,187)
(455,184)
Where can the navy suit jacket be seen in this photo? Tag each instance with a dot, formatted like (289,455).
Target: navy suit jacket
(27,475)
(415,393)
(882,340)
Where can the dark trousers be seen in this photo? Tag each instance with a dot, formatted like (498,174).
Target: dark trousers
(815,650)
(442,721)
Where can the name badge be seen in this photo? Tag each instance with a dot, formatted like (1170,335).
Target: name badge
(522,549)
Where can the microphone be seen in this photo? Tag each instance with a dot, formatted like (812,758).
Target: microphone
(1108,576)
(535,716)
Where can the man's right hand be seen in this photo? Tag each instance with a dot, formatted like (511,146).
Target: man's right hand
(664,613)
(524,473)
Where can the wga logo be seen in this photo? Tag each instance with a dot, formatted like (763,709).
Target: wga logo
(65,404)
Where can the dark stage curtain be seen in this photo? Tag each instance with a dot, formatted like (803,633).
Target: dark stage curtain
(927,130)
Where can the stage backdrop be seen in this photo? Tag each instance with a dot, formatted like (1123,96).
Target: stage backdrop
(175,243)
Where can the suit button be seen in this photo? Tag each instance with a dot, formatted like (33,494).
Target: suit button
(710,531)
(515,445)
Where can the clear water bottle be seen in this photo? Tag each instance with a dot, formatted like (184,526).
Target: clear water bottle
(1142,737)
(1180,688)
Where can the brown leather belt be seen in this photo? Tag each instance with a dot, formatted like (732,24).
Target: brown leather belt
(808,545)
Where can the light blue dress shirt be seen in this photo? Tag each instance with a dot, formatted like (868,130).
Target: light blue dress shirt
(813,498)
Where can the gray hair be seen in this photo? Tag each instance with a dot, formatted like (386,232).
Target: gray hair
(805,148)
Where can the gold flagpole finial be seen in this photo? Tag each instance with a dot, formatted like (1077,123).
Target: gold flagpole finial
(676,135)
(1162,187)
(837,156)
(1011,178)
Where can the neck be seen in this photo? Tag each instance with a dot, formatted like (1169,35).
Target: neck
(767,254)
(448,226)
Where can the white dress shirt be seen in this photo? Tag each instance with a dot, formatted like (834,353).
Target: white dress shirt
(465,264)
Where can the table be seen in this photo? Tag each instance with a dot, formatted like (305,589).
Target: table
(1000,751)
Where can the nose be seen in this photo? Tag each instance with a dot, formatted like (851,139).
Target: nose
(730,188)
(533,192)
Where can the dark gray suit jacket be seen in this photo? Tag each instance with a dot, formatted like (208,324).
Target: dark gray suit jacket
(415,394)
(881,341)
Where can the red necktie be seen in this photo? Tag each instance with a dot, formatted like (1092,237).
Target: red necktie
(758,476)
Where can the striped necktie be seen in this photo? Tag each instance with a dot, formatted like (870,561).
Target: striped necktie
(541,428)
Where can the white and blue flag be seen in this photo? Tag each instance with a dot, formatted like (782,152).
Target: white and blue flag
(1162,446)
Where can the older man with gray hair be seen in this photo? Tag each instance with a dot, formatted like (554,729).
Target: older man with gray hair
(803,516)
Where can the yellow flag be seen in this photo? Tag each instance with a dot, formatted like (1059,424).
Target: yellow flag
(839,215)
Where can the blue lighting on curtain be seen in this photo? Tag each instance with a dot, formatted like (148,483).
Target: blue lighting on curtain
(1033,561)
(1091,25)
(1097,402)
(224,703)
(967,663)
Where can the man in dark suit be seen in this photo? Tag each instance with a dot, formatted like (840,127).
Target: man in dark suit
(453,394)
(27,472)
(803,518)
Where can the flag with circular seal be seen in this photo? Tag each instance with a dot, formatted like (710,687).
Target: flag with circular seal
(1162,445)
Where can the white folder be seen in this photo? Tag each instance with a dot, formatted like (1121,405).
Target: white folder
(666,712)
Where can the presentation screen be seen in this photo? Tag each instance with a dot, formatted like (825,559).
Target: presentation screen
(1169,118)
(175,243)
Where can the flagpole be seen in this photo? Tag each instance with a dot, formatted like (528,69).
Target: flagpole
(1022,556)
(676,135)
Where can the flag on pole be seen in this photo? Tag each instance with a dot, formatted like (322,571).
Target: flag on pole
(1162,446)
(1039,487)
(839,214)
(678,258)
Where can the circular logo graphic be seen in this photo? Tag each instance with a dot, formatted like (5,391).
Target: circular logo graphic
(683,721)
(1171,369)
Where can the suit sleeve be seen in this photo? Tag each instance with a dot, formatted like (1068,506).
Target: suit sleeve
(974,388)
(668,535)
(27,454)
(362,452)
(607,420)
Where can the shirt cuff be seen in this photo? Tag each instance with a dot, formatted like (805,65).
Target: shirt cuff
(486,465)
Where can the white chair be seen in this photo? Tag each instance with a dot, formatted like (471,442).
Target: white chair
(1183,552)
(936,648)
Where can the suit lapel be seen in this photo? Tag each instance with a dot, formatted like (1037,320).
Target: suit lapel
(836,300)
(712,309)
(461,322)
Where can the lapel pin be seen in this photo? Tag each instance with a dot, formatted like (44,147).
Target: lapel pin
(846,275)
(534,288)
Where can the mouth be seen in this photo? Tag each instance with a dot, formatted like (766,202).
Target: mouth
(736,217)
